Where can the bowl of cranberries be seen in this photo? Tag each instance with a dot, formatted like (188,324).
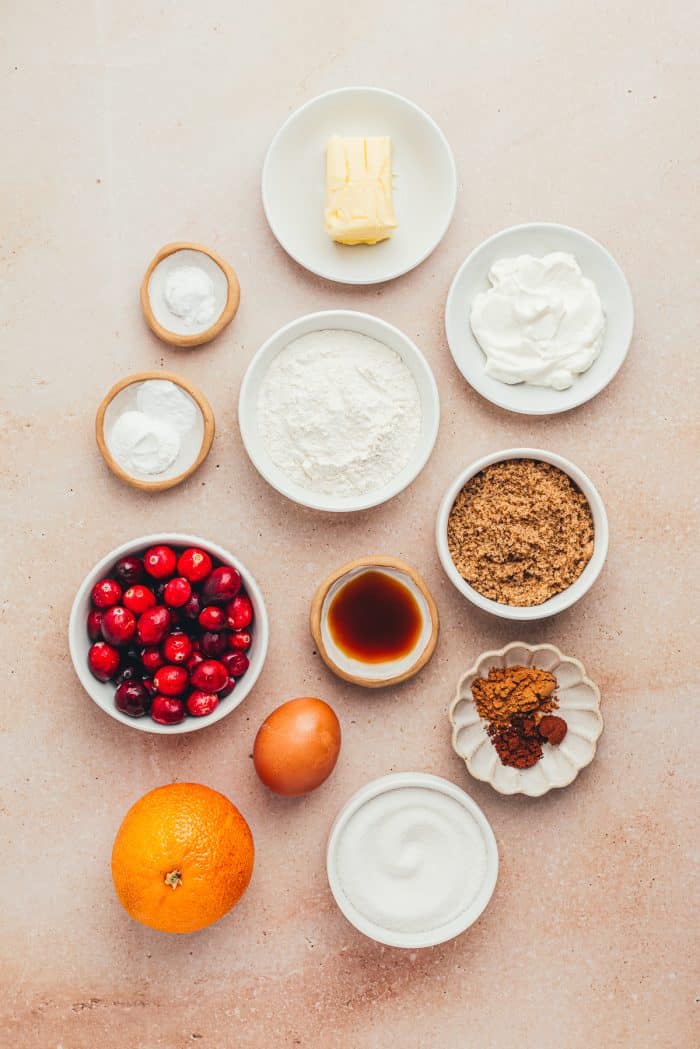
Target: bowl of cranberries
(168,633)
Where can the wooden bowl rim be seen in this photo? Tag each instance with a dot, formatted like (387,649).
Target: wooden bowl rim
(373,561)
(233,297)
(207,436)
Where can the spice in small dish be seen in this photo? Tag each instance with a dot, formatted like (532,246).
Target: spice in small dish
(154,429)
(520,532)
(517,702)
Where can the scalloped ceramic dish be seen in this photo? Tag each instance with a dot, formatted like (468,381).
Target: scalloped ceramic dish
(579,705)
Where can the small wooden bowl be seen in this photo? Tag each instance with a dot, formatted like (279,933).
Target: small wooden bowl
(196,338)
(317,617)
(207,436)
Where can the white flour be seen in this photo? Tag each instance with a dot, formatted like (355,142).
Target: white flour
(339,412)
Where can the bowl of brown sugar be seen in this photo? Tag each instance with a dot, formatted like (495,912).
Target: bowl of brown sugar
(522,533)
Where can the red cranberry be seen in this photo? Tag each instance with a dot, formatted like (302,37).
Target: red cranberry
(138,598)
(128,571)
(239,613)
(213,644)
(177,592)
(240,641)
(151,658)
(210,676)
(128,673)
(149,686)
(153,625)
(192,609)
(236,663)
(118,625)
(194,564)
(160,562)
(103,661)
(94,624)
(221,585)
(212,618)
(167,710)
(195,659)
(132,699)
(177,648)
(171,681)
(106,593)
(199,704)
(228,688)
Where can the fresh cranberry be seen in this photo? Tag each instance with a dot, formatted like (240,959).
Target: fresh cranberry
(213,644)
(151,658)
(132,699)
(199,704)
(210,676)
(195,659)
(177,592)
(192,609)
(167,710)
(94,624)
(212,618)
(240,641)
(236,663)
(128,673)
(196,644)
(160,562)
(106,593)
(118,625)
(171,681)
(153,625)
(177,648)
(221,586)
(195,565)
(103,661)
(128,571)
(149,686)
(139,598)
(228,688)
(239,613)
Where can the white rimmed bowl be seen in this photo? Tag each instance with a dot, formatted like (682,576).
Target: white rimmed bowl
(103,693)
(475,901)
(540,238)
(293,184)
(565,598)
(579,706)
(365,324)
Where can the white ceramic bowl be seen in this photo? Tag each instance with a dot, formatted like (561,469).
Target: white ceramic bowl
(579,706)
(475,898)
(565,598)
(348,320)
(540,238)
(103,693)
(293,184)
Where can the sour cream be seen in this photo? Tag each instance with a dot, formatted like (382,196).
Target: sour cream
(541,322)
(412,860)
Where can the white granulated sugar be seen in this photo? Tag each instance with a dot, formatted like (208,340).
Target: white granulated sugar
(339,413)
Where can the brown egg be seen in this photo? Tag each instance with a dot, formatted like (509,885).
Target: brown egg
(297,746)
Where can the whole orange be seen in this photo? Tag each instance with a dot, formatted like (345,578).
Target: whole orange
(182,858)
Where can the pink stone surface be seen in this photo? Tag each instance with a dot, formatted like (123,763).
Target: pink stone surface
(127,125)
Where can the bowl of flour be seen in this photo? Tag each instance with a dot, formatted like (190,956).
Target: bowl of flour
(339,411)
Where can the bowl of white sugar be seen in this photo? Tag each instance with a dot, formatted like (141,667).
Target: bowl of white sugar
(339,411)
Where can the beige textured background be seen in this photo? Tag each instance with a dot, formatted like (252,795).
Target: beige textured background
(126,125)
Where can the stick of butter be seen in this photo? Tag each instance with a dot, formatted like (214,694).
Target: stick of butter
(358,190)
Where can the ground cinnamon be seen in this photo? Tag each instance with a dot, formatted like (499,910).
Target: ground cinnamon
(510,692)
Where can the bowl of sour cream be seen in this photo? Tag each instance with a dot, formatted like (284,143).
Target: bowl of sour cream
(539,318)
(412,860)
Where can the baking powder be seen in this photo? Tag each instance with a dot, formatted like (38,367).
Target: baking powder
(147,440)
(339,412)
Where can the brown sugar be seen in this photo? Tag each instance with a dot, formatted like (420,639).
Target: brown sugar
(520,531)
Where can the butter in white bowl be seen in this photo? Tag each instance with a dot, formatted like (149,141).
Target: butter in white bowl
(359,207)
